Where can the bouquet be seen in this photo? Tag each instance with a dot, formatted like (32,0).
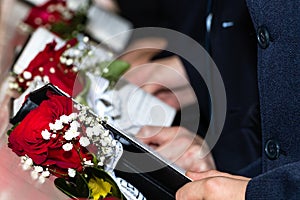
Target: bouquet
(64,139)
(82,70)
(64,18)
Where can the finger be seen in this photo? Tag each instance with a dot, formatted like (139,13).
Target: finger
(177,142)
(156,134)
(193,160)
(212,173)
(190,190)
(171,150)
(180,145)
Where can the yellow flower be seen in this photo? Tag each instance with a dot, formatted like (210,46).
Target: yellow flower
(99,187)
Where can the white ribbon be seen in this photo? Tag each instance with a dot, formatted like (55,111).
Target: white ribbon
(104,102)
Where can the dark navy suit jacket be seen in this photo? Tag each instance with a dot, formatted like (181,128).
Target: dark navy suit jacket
(277,24)
(233,48)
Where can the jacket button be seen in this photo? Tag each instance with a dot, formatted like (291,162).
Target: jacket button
(263,37)
(272,149)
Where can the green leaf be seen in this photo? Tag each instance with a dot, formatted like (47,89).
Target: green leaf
(68,31)
(115,70)
(12,128)
(75,188)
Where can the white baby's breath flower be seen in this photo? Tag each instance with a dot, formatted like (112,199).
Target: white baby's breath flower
(103,143)
(38,169)
(68,135)
(88,120)
(37,78)
(107,150)
(29,162)
(67,146)
(100,128)
(46,79)
(102,158)
(64,119)
(46,134)
(72,133)
(51,126)
(41,179)
(89,132)
(81,117)
(26,167)
(84,109)
(84,141)
(88,163)
(73,116)
(77,106)
(45,174)
(113,143)
(53,135)
(101,161)
(72,172)
(27,75)
(106,133)
(106,141)
(23,159)
(74,125)
(58,125)
(97,130)
(34,175)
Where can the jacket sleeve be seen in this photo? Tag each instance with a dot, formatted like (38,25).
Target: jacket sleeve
(280,183)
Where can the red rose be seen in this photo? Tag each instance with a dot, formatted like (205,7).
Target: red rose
(51,12)
(47,65)
(26,138)
(56,16)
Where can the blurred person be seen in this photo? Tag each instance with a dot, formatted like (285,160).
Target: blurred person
(226,31)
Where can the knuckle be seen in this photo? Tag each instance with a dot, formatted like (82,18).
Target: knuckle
(210,185)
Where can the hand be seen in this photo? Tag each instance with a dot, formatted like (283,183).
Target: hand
(141,51)
(178,145)
(213,185)
(164,78)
